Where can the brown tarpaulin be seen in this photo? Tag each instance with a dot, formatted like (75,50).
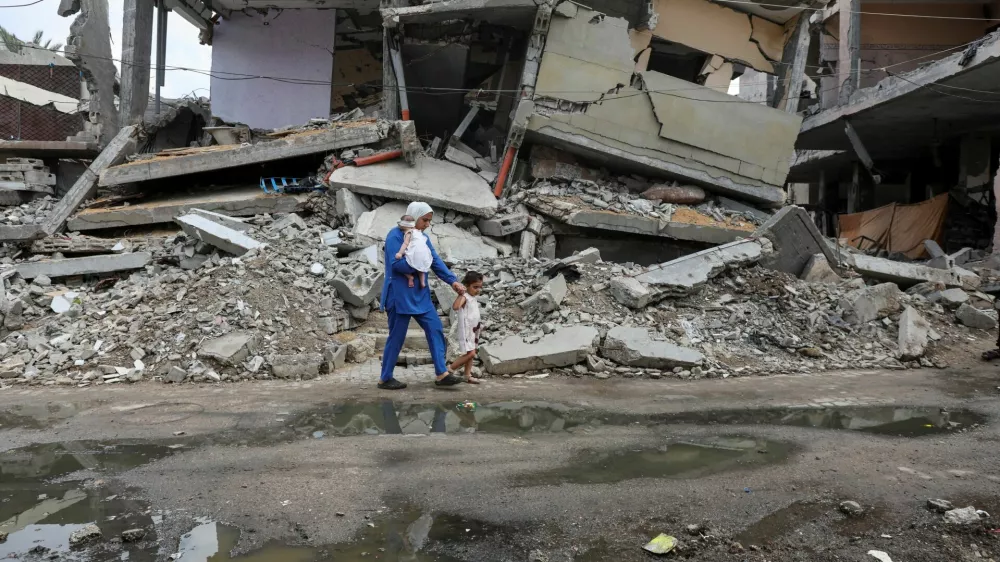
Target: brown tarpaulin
(897,228)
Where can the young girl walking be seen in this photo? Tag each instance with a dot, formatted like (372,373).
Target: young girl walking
(467,308)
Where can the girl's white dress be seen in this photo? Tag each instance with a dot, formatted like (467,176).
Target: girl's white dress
(467,319)
(418,253)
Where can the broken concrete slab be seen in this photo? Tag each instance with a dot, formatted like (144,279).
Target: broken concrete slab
(222,237)
(461,158)
(314,141)
(871,303)
(973,317)
(548,298)
(951,298)
(934,249)
(225,220)
(818,270)
(90,265)
(739,207)
(529,239)
(906,274)
(685,274)
(86,185)
(451,242)
(77,244)
(438,183)
(795,240)
(503,225)
(567,345)
(913,332)
(631,293)
(358,284)
(230,349)
(575,215)
(240,202)
(636,347)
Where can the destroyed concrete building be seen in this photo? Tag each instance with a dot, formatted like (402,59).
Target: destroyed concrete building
(587,157)
(898,129)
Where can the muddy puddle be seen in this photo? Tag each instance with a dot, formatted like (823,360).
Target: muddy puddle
(686,459)
(387,417)
(41,416)
(880,420)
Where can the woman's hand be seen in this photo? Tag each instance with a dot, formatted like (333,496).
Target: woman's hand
(458,287)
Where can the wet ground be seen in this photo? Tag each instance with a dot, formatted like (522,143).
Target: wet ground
(512,471)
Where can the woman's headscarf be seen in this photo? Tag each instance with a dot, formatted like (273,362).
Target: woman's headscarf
(418,209)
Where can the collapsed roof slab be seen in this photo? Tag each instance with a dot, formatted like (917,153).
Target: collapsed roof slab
(238,202)
(582,217)
(195,160)
(436,182)
(49,149)
(915,109)
(497,12)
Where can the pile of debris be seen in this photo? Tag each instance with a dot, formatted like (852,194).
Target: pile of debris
(24,179)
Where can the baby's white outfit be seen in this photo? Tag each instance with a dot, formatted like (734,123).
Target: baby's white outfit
(467,319)
(418,253)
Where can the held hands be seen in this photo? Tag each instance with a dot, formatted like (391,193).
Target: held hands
(458,287)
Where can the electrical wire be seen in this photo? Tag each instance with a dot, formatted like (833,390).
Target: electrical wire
(23,5)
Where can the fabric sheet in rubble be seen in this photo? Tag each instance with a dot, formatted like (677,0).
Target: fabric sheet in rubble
(897,228)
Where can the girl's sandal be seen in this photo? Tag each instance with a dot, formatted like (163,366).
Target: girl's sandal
(472,380)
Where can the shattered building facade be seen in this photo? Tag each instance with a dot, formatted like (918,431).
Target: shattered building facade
(900,115)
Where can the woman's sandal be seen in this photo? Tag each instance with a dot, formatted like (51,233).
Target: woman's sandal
(447,380)
(991,355)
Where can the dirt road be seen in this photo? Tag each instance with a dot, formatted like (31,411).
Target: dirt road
(742,469)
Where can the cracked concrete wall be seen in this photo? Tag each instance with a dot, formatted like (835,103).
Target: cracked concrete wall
(718,30)
(90,34)
(659,121)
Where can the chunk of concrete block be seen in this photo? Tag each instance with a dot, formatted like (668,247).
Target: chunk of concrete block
(299,366)
(871,303)
(941,262)
(225,220)
(636,347)
(631,293)
(818,270)
(565,346)
(348,207)
(961,257)
(504,225)
(795,240)
(290,220)
(335,356)
(933,249)
(686,274)
(590,255)
(913,332)
(358,284)
(368,255)
(973,317)
(438,183)
(222,237)
(907,274)
(90,265)
(548,298)
(230,349)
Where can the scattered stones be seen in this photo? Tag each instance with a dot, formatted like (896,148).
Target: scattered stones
(851,508)
(939,506)
(133,535)
(962,517)
(87,533)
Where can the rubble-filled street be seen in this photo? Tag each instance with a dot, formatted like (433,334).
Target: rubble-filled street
(499,281)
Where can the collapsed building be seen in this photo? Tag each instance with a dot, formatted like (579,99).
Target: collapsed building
(898,131)
(588,157)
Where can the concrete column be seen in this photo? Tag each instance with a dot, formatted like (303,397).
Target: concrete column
(849,58)
(390,95)
(854,191)
(793,67)
(137,43)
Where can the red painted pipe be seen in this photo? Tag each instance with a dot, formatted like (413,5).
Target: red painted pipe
(380,157)
(406,115)
(508,159)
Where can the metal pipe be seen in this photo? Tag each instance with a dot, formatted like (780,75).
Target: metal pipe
(508,159)
(380,157)
(161,47)
(397,66)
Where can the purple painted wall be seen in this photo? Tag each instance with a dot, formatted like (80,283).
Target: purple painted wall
(295,44)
